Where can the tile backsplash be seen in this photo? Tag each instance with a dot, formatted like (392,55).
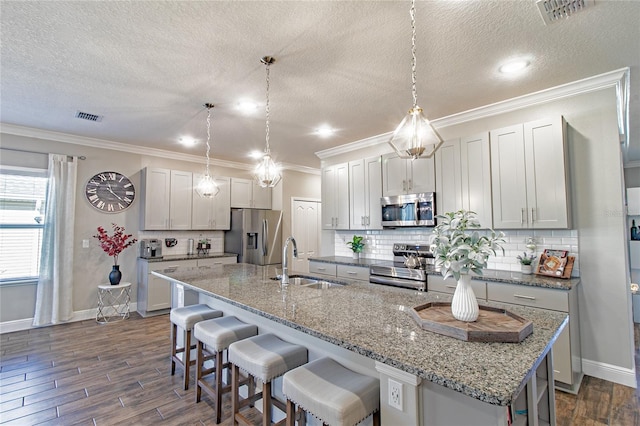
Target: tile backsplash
(379,244)
(216,238)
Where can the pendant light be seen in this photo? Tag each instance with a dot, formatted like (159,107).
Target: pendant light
(207,187)
(267,173)
(415,136)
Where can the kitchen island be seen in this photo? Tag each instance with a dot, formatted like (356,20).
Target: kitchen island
(443,381)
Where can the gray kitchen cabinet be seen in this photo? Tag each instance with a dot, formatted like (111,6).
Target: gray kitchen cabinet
(335,196)
(567,358)
(439,284)
(166,199)
(211,213)
(154,293)
(401,176)
(529,176)
(334,270)
(245,193)
(365,191)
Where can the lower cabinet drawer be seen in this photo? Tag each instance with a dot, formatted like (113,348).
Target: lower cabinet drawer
(537,297)
(438,283)
(212,261)
(322,268)
(353,272)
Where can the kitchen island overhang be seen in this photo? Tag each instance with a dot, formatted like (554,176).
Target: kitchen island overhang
(374,322)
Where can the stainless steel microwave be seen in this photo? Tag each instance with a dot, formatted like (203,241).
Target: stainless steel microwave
(409,210)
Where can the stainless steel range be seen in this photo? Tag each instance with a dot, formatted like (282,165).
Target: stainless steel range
(407,269)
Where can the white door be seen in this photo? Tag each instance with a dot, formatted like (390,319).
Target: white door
(306,230)
(394,175)
(476,177)
(180,200)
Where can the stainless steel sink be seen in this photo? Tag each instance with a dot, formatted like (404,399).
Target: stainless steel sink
(309,282)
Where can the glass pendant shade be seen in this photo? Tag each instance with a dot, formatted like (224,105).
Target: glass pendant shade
(415,136)
(207,187)
(267,174)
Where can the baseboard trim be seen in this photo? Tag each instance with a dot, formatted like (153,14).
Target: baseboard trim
(27,323)
(611,373)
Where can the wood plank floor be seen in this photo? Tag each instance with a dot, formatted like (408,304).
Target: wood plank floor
(90,374)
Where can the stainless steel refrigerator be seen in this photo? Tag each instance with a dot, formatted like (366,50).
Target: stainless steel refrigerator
(255,236)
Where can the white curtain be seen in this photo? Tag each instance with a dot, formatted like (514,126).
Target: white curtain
(54,298)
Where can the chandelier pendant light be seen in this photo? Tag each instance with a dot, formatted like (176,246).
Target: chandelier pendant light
(207,187)
(415,136)
(267,173)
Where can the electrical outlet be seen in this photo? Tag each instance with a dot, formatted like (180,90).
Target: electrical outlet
(395,394)
(85,243)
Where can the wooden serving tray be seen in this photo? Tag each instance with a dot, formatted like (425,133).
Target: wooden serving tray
(492,325)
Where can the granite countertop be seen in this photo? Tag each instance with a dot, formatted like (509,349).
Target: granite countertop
(375,321)
(488,274)
(174,257)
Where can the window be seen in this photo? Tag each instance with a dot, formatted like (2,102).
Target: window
(22,201)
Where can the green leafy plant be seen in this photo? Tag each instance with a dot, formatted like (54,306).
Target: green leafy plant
(356,244)
(458,248)
(526,259)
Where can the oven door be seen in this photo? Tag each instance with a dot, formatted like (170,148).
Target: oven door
(398,277)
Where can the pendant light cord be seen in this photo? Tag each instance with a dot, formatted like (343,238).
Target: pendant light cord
(267,148)
(414,91)
(209,106)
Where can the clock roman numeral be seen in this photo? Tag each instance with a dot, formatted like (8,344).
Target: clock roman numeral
(92,190)
(127,200)
(93,198)
(110,207)
(100,205)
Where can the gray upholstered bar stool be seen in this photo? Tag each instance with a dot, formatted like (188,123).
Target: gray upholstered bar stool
(185,318)
(264,357)
(332,393)
(217,334)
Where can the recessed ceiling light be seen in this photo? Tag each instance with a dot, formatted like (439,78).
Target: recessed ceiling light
(325,131)
(247,106)
(188,141)
(256,154)
(514,66)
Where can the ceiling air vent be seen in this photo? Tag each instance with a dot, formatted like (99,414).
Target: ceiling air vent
(87,116)
(554,10)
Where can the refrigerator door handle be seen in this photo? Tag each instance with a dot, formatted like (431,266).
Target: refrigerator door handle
(265,233)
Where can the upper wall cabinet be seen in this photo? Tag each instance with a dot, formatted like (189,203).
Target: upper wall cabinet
(211,213)
(335,197)
(245,193)
(166,199)
(463,177)
(529,176)
(400,176)
(633,201)
(365,191)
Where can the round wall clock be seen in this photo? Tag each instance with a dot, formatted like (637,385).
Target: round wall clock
(110,192)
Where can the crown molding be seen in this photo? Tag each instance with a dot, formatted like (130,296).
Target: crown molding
(354,146)
(617,78)
(133,149)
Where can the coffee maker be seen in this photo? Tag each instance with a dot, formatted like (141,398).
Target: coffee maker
(151,248)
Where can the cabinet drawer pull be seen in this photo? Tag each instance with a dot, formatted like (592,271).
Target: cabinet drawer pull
(352,273)
(450,286)
(321,269)
(556,371)
(524,297)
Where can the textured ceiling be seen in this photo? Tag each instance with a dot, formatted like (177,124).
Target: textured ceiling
(148,67)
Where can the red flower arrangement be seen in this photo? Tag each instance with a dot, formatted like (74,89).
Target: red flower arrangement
(114,245)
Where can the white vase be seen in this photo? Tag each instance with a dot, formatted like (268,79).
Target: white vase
(356,255)
(464,305)
(526,269)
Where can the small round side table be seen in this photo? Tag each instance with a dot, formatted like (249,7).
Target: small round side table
(113,302)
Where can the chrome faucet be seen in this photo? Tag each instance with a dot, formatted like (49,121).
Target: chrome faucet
(285,260)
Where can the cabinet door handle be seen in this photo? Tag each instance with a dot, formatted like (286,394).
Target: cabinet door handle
(368,220)
(404,185)
(409,184)
(522,213)
(362,220)
(520,296)
(533,215)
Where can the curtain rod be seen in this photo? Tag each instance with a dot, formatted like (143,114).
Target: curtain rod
(80,157)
